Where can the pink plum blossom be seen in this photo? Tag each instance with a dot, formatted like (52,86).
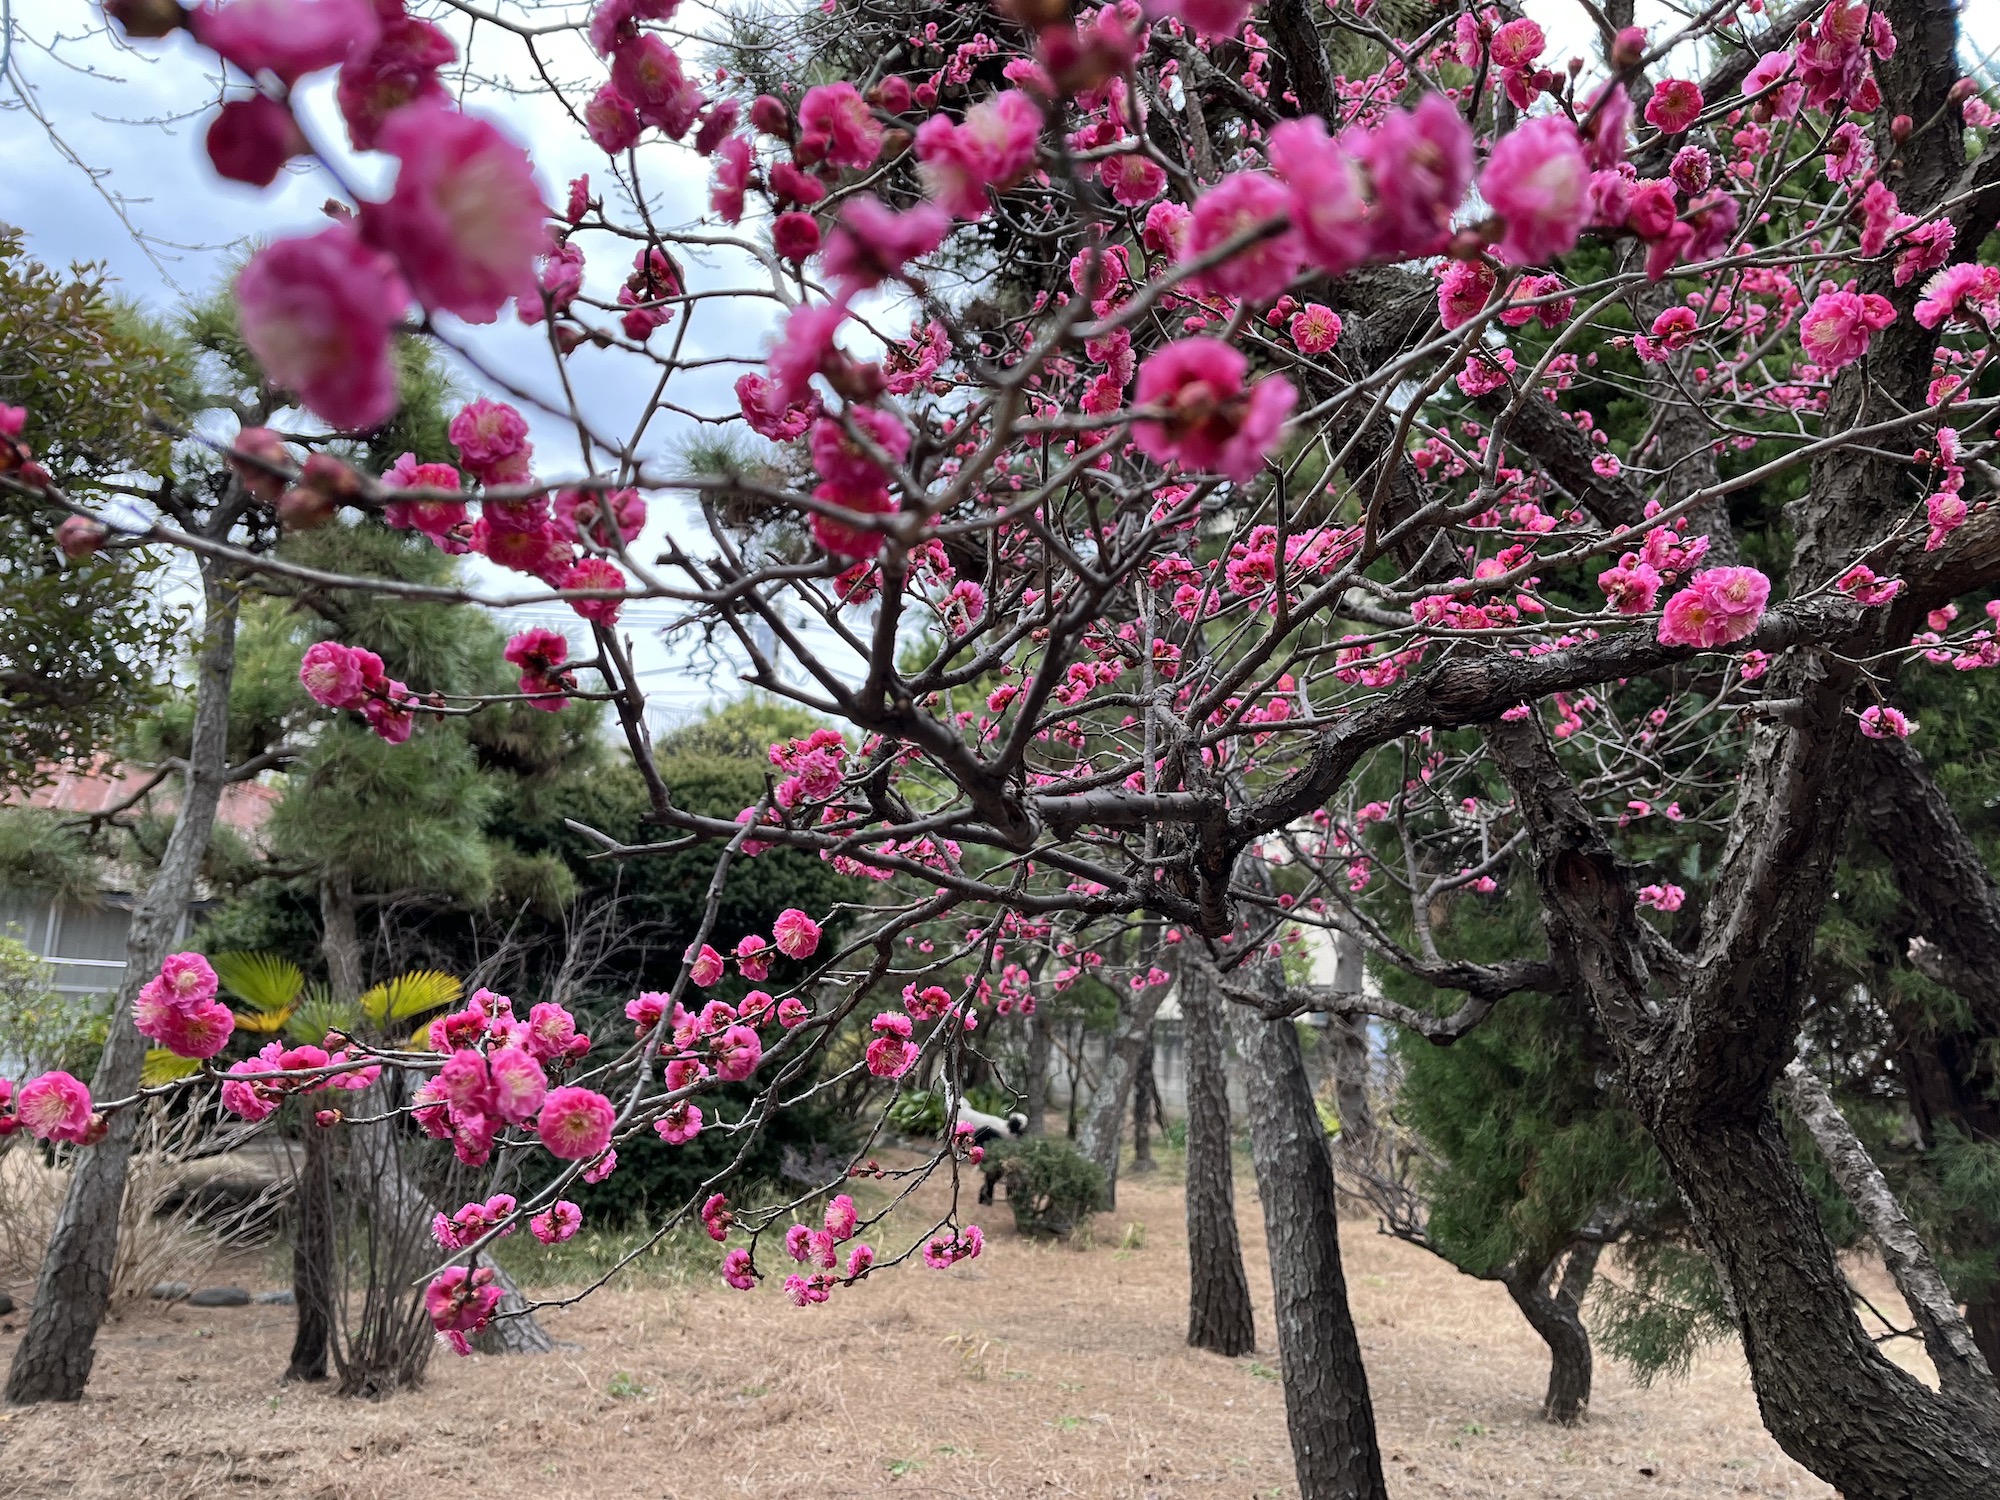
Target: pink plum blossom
(1662,897)
(519,1084)
(872,243)
(736,1052)
(401,67)
(796,934)
(680,1124)
(287,38)
(1675,105)
(1837,327)
(1239,203)
(54,1107)
(250,140)
(1419,164)
(1327,192)
(1210,423)
(837,127)
(993,147)
(1718,606)
(705,967)
(1880,722)
(465,220)
(318,314)
(648,76)
(1215,19)
(575,1123)
(892,1052)
(1539,183)
(556,1223)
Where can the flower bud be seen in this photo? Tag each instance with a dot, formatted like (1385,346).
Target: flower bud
(1900,128)
(1963,90)
(146,18)
(332,478)
(96,1129)
(1035,14)
(267,449)
(301,509)
(79,536)
(1629,48)
(768,114)
(326,1119)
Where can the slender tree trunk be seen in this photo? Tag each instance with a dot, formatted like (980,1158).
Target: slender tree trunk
(1557,1317)
(1145,1103)
(1219,1313)
(312,1242)
(1327,1409)
(312,1253)
(1347,1037)
(1041,1043)
(52,1362)
(1074,1062)
(1103,1123)
(1947,1340)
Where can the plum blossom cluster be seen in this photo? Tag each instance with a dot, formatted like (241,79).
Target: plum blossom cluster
(352,677)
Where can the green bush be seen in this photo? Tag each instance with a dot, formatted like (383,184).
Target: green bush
(1052,1186)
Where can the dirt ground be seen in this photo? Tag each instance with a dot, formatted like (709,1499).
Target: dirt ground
(1034,1371)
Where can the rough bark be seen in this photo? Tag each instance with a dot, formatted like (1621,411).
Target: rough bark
(1947,1065)
(53,1360)
(1327,1410)
(1358,1144)
(1103,1123)
(1557,1316)
(1145,1104)
(1961,1368)
(1041,1046)
(312,1255)
(1699,1067)
(312,1241)
(1219,1312)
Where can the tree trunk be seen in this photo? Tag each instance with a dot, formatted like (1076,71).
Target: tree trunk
(513,1329)
(1102,1129)
(1558,1319)
(1699,1070)
(1145,1102)
(52,1362)
(1947,1340)
(312,1253)
(1219,1313)
(1359,1142)
(1327,1409)
(1041,1043)
(312,1242)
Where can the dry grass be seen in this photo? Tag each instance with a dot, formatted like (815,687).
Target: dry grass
(1034,1371)
(156,1242)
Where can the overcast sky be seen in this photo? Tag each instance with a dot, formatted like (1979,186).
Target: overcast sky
(113,171)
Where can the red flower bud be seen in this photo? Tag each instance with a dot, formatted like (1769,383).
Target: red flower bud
(79,536)
(146,18)
(301,509)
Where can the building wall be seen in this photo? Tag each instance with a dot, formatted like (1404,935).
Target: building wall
(83,944)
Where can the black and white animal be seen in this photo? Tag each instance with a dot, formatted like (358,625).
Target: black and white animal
(985,1129)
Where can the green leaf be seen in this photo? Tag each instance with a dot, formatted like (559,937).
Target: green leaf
(318,1013)
(268,984)
(162,1066)
(410,995)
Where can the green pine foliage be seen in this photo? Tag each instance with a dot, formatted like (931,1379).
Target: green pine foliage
(85,647)
(1528,1145)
